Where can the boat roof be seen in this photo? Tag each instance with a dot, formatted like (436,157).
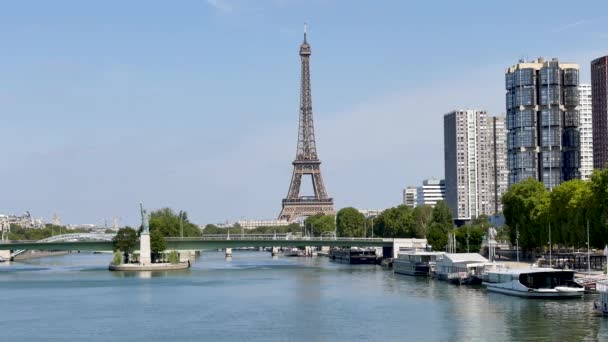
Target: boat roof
(420,253)
(529,270)
(462,257)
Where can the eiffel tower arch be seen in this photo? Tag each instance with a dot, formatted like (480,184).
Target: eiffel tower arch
(307,161)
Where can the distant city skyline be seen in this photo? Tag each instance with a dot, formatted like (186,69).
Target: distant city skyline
(194,106)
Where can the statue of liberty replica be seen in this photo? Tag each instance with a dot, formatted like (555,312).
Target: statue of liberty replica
(145,257)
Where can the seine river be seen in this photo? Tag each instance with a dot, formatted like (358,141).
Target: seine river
(256,297)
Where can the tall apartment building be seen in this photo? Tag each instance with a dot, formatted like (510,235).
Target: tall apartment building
(410,196)
(586,130)
(542,119)
(599,92)
(500,169)
(469,163)
(431,192)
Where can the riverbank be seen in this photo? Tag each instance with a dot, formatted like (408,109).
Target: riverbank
(150,267)
(38,254)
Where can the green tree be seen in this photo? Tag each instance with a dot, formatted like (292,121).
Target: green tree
(158,244)
(423,216)
(168,223)
(568,212)
(598,208)
(125,241)
(320,223)
(526,209)
(441,224)
(397,222)
(470,235)
(350,222)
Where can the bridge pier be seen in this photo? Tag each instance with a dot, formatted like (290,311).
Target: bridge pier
(274,251)
(308,251)
(228,252)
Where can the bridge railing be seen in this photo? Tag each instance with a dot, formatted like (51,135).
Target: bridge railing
(265,238)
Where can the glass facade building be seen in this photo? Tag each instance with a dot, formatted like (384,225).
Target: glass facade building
(543,139)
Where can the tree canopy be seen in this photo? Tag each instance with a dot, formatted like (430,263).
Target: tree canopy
(125,240)
(158,244)
(167,222)
(531,210)
(320,223)
(396,222)
(350,223)
(441,224)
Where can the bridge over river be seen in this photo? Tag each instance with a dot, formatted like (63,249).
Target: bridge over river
(103,242)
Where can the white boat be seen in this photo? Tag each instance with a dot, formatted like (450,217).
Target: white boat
(460,267)
(416,263)
(534,283)
(602,305)
(293,252)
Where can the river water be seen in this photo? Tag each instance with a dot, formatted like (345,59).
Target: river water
(256,297)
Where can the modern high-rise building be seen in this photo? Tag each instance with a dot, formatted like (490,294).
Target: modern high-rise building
(586,130)
(599,96)
(469,163)
(542,119)
(500,169)
(431,192)
(410,196)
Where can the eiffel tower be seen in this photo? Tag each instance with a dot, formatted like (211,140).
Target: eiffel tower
(307,162)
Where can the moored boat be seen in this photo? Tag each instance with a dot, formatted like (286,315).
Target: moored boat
(534,283)
(293,252)
(354,255)
(602,304)
(416,263)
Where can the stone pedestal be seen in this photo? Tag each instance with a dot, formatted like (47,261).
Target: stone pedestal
(145,257)
(228,252)
(274,251)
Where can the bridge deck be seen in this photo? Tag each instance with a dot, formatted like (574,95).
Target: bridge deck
(202,243)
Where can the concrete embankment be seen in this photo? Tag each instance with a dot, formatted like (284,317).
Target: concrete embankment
(150,267)
(38,254)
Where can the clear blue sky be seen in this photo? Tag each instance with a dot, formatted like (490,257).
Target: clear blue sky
(194,104)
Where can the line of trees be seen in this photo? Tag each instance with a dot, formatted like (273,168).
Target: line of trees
(163,223)
(531,210)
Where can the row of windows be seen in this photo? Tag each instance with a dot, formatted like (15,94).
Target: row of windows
(550,75)
(551,158)
(520,97)
(521,137)
(521,77)
(550,95)
(550,137)
(571,118)
(550,117)
(521,160)
(520,118)
(571,138)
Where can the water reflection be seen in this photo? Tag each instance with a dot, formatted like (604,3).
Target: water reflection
(255,296)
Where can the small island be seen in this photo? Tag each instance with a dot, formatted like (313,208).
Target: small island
(152,254)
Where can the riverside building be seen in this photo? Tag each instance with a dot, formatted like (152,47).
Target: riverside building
(470,163)
(586,130)
(431,192)
(542,121)
(410,196)
(599,92)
